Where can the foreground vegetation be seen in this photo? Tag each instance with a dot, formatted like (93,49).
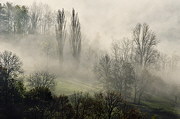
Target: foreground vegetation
(39,103)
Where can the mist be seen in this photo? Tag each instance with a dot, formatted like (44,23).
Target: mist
(106,54)
(121,15)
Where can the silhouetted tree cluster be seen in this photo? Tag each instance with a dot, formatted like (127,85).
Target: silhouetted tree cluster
(39,19)
(12,92)
(61,34)
(107,105)
(39,102)
(11,62)
(16,19)
(74,36)
(127,69)
(41,79)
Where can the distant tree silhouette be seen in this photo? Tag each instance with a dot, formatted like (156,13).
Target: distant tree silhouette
(12,92)
(62,107)
(35,14)
(75,37)
(12,63)
(145,42)
(41,79)
(37,103)
(61,34)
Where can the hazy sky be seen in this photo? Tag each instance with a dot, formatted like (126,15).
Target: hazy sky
(115,19)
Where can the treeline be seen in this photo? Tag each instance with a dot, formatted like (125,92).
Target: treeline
(17,19)
(38,101)
(40,19)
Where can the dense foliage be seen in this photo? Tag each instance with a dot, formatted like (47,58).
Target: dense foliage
(39,103)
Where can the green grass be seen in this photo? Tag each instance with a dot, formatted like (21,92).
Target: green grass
(70,86)
(153,103)
(161,104)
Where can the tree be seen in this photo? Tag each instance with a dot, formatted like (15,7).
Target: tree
(145,55)
(143,78)
(11,90)
(37,102)
(35,17)
(128,74)
(12,93)
(103,70)
(145,42)
(12,63)
(123,50)
(41,79)
(162,63)
(75,37)
(123,74)
(112,101)
(2,14)
(110,105)
(21,20)
(117,72)
(98,106)
(76,100)
(14,19)
(117,67)
(7,18)
(174,62)
(48,50)
(82,105)
(61,34)
(47,20)
(62,107)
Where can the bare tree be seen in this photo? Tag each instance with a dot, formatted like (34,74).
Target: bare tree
(11,62)
(41,79)
(21,19)
(145,41)
(145,55)
(61,33)
(76,100)
(142,80)
(174,63)
(48,19)
(162,63)
(117,66)
(117,72)
(61,108)
(127,50)
(112,101)
(48,49)
(35,17)
(7,17)
(75,37)
(103,70)
(122,67)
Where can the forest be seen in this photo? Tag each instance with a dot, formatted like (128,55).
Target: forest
(49,69)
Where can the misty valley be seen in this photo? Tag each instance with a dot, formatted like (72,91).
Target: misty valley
(51,69)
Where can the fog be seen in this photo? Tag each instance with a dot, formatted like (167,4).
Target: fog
(98,16)
(105,20)
(110,57)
